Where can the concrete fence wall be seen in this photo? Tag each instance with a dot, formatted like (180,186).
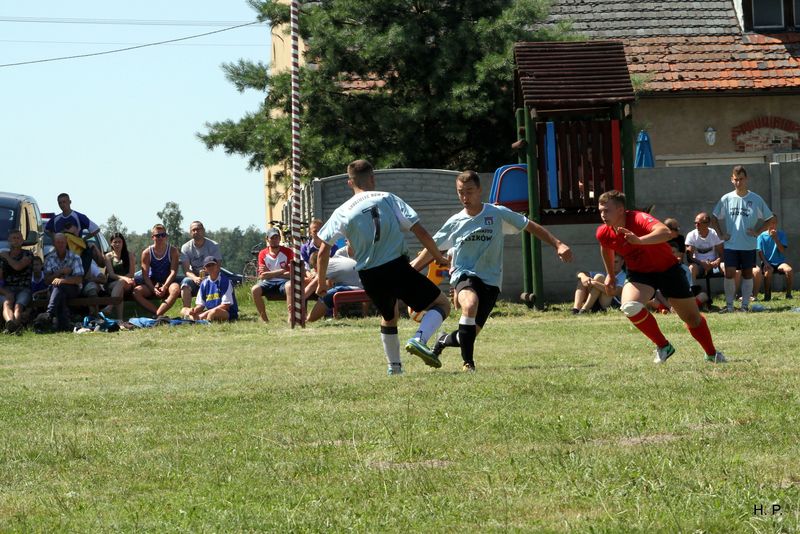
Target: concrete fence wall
(678,192)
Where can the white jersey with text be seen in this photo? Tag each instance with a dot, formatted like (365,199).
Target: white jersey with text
(477,241)
(373,222)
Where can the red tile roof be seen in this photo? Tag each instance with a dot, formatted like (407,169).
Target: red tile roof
(716,62)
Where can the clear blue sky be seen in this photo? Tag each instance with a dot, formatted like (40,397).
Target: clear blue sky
(117,131)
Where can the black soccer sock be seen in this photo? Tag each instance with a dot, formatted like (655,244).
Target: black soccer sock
(452,339)
(466,336)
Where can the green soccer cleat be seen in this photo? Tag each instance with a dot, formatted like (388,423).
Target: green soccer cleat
(716,358)
(418,348)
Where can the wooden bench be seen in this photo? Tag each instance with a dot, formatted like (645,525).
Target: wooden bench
(82,302)
(348,297)
(707,277)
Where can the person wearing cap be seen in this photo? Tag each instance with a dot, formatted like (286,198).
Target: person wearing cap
(274,264)
(216,300)
(193,253)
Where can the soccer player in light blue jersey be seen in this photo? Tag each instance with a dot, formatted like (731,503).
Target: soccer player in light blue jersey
(374,222)
(476,235)
(746,215)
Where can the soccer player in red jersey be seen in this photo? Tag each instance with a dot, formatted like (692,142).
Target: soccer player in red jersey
(642,241)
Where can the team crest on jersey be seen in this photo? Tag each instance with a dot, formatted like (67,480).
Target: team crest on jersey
(488,220)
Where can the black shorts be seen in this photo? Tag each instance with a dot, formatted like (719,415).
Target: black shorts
(672,282)
(740,259)
(398,280)
(487,295)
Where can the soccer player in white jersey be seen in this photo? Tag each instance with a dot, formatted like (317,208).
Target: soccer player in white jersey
(374,222)
(476,234)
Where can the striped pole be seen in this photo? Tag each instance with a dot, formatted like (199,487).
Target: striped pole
(297,312)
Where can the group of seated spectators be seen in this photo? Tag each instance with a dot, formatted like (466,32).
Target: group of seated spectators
(274,273)
(77,268)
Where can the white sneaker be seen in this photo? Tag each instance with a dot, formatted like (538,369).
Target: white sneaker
(663,353)
(717,358)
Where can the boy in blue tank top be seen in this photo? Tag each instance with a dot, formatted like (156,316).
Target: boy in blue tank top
(374,222)
(159,274)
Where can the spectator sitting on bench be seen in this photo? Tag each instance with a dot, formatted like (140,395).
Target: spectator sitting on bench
(274,268)
(63,271)
(590,293)
(312,245)
(94,281)
(216,300)
(80,247)
(159,272)
(15,271)
(704,248)
(772,245)
(193,253)
(38,283)
(120,269)
(676,237)
(341,276)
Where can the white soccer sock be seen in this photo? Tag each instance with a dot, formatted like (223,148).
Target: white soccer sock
(466,320)
(747,291)
(730,291)
(429,324)
(391,344)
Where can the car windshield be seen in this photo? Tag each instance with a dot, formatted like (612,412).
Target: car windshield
(7,218)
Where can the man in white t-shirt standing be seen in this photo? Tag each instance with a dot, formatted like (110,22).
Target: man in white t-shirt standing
(745,214)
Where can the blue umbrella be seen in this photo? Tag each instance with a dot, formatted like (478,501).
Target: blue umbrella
(644,152)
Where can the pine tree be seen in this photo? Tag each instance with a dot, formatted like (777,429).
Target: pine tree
(404,83)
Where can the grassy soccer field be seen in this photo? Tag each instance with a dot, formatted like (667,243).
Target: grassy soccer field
(566,426)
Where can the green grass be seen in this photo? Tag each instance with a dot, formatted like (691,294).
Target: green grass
(566,426)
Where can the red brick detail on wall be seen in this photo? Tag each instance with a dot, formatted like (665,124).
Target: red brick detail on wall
(766,133)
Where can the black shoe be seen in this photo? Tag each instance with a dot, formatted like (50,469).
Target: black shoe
(43,323)
(439,346)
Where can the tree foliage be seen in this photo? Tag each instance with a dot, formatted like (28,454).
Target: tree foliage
(113,225)
(171,217)
(404,83)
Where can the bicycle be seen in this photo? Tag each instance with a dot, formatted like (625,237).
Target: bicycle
(250,268)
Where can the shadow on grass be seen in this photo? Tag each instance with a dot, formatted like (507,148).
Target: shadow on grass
(550,366)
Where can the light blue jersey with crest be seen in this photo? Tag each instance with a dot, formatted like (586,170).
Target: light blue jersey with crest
(373,222)
(478,241)
(740,215)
